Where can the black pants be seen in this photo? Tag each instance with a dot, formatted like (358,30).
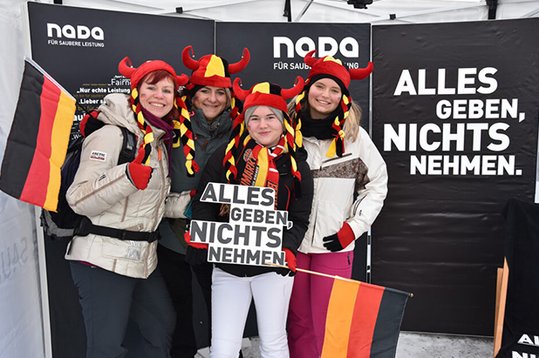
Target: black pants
(110,302)
(203,274)
(177,275)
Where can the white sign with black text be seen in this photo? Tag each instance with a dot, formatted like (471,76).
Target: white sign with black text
(254,233)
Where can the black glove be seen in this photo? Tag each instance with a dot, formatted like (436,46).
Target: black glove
(194,256)
(332,243)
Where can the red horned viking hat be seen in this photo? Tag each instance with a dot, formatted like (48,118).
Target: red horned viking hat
(212,70)
(267,94)
(262,94)
(182,124)
(328,65)
(135,74)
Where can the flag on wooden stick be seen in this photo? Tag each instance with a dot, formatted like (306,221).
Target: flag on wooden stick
(363,320)
(37,143)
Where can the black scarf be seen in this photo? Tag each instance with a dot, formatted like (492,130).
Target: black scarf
(318,128)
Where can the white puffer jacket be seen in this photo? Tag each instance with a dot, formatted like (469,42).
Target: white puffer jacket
(360,173)
(102,191)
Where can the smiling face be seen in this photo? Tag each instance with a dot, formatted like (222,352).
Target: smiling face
(157,98)
(211,100)
(265,127)
(324,97)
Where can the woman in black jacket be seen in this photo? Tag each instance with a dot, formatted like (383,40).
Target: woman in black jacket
(262,138)
(210,102)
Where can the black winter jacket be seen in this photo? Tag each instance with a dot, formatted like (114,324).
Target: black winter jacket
(297,201)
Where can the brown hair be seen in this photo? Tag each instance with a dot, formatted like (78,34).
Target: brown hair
(154,77)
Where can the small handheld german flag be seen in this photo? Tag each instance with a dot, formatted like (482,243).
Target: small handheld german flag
(37,143)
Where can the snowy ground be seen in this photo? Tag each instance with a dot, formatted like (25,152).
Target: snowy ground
(411,345)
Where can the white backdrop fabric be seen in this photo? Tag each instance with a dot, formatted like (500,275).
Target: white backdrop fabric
(21,333)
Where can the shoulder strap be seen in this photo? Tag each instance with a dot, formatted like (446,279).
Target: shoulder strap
(128,146)
(90,123)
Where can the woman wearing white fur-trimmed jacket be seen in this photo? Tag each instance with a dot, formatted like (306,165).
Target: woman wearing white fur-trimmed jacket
(350,185)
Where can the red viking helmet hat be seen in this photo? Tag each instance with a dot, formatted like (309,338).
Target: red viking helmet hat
(328,65)
(212,70)
(135,74)
(267,94)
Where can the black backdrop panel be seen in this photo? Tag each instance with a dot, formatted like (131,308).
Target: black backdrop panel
(277,50)
(81,48)
(455,109)
(521,320)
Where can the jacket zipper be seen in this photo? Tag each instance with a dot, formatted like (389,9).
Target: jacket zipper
(314,226)
(163,182)
(126,203)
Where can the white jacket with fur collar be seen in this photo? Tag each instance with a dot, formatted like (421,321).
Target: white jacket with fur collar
(351,188)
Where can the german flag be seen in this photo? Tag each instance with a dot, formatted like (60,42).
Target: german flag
(37,143)
(363,320)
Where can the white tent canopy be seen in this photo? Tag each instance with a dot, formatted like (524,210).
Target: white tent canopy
(410,11)
(21,327)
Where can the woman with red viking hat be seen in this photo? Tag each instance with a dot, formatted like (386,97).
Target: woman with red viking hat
(113,255)
(212,108)
(350,188)
(262,152)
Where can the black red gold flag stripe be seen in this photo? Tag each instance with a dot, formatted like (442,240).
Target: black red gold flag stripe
(363,320)
(37,143)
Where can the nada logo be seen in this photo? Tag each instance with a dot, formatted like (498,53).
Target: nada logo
(79,32)
(324,45)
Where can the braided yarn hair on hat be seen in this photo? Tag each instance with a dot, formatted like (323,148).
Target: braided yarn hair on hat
(261,94)
(329,67)
(136,75)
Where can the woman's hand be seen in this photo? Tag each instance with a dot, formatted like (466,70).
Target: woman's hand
(138,173)
(290,262)
(176,203)
(340,240)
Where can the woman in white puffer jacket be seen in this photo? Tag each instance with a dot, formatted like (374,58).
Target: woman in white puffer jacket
(350,185)
(113,253)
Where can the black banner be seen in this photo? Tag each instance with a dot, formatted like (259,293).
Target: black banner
(521,322)
(81,48)
(455,111)
(277,51)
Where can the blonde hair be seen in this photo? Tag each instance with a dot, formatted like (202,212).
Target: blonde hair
(351,125)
